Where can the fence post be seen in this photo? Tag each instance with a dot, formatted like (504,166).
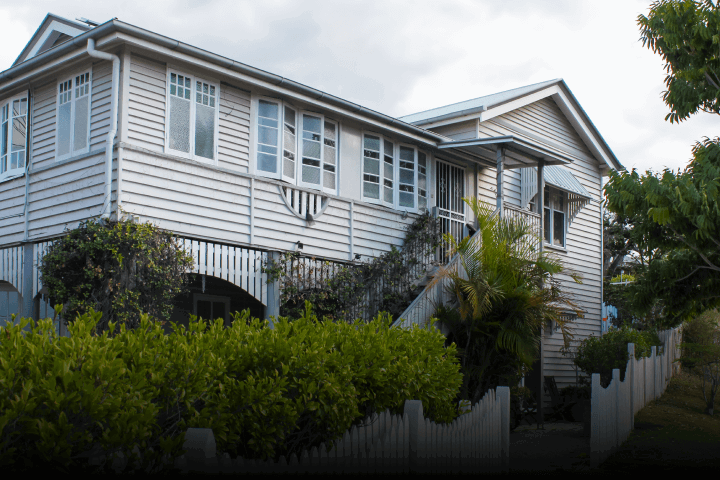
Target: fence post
(273,292)
(201,450)
(595,440)
(630,375)
(504,397)
(416,430)
(618,420)
(654,373)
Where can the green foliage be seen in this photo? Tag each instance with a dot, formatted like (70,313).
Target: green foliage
(603,354)
(681,224)
(350,291)
(508,292)
(119,268)
(623,278)
(675,215)
(687,35)
(576,391)
(701,353)
(264,392)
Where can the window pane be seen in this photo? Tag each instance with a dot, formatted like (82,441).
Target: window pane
(268,110)
(407,154)
(546,225)
(559,229)
(81,123)
(329,180)
(179,124)
(407,199)
(371,166)
(407,176)
(4,137)
(204,131)
(372,143)
(63,129)
(204,309)
(311,149)
(289,143)
(371,190)
(218,310)
(267,135)
(267,162)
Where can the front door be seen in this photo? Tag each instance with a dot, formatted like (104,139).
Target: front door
(450,190)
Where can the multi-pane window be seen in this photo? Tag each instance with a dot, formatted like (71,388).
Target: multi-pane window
(309,146)
(73,116)
(193,110)
(554,216)
(13,136)
(399,180)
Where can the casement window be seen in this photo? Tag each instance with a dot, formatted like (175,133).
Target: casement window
(192,117)
(555,216)
(308,142)
(73,116)
(13,136)
(399,180)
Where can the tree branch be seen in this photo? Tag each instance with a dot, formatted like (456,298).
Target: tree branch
(711,265)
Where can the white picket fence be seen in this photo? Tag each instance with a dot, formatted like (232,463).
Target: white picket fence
(613,408)
(476,442)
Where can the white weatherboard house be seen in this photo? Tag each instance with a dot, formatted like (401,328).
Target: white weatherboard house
(242,163)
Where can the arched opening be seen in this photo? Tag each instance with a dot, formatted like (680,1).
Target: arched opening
(10,302)
(213,298)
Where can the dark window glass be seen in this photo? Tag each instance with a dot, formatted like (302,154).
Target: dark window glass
(204,309)
(218,310)
(546,225)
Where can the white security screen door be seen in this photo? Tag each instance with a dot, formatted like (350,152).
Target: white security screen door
(450,189)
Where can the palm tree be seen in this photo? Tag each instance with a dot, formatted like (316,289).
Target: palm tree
(503,290)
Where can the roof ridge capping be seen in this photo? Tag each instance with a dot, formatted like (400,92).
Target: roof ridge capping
(475,104)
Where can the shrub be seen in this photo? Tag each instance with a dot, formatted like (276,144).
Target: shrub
(264,392)
(119,268)
(603,354)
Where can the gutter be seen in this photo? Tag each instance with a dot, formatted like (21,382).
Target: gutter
(115,25)
(113,121)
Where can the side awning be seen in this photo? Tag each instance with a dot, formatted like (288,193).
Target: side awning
(560,178)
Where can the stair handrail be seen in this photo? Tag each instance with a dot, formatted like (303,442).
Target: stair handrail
(432,288)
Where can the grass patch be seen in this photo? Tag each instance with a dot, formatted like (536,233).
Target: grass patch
(670,432)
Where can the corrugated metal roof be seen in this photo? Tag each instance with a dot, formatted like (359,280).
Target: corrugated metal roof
(561,177)
(487,101)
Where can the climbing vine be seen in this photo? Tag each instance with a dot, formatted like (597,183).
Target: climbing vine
(347,291)
(119,268)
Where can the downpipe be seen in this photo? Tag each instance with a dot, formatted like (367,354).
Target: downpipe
(113,122)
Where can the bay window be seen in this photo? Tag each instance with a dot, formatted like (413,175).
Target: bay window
(73,116)
(192,117)
(13,136)
(309,146)
(401,182)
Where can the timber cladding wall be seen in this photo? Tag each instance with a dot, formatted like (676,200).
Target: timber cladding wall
(543,122)
(206,202)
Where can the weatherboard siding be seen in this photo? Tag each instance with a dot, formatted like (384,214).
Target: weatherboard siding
(543,122)
(12,206)
(146,103)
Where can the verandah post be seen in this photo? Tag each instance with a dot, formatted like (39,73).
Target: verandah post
(272,309)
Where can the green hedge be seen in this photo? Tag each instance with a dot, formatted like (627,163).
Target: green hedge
(603,354)
(264,392)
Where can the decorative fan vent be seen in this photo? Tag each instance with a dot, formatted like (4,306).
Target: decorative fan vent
(308,206)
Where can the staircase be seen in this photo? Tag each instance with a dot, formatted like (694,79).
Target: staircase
(431,296)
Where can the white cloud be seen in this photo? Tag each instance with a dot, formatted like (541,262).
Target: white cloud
(400,57)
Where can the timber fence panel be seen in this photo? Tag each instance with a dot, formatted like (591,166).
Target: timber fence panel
(613,409)
(475,442)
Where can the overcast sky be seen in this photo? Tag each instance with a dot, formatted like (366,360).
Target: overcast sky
(402,57)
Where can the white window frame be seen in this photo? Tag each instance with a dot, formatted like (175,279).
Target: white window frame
(71,78)
(552,208)
(18,171)
(216,134)
(279,159)
(212,298)
(396,173)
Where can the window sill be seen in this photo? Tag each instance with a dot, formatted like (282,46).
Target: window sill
(12,176)
(555,247)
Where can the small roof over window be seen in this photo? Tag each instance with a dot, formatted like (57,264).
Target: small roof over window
(53,31)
